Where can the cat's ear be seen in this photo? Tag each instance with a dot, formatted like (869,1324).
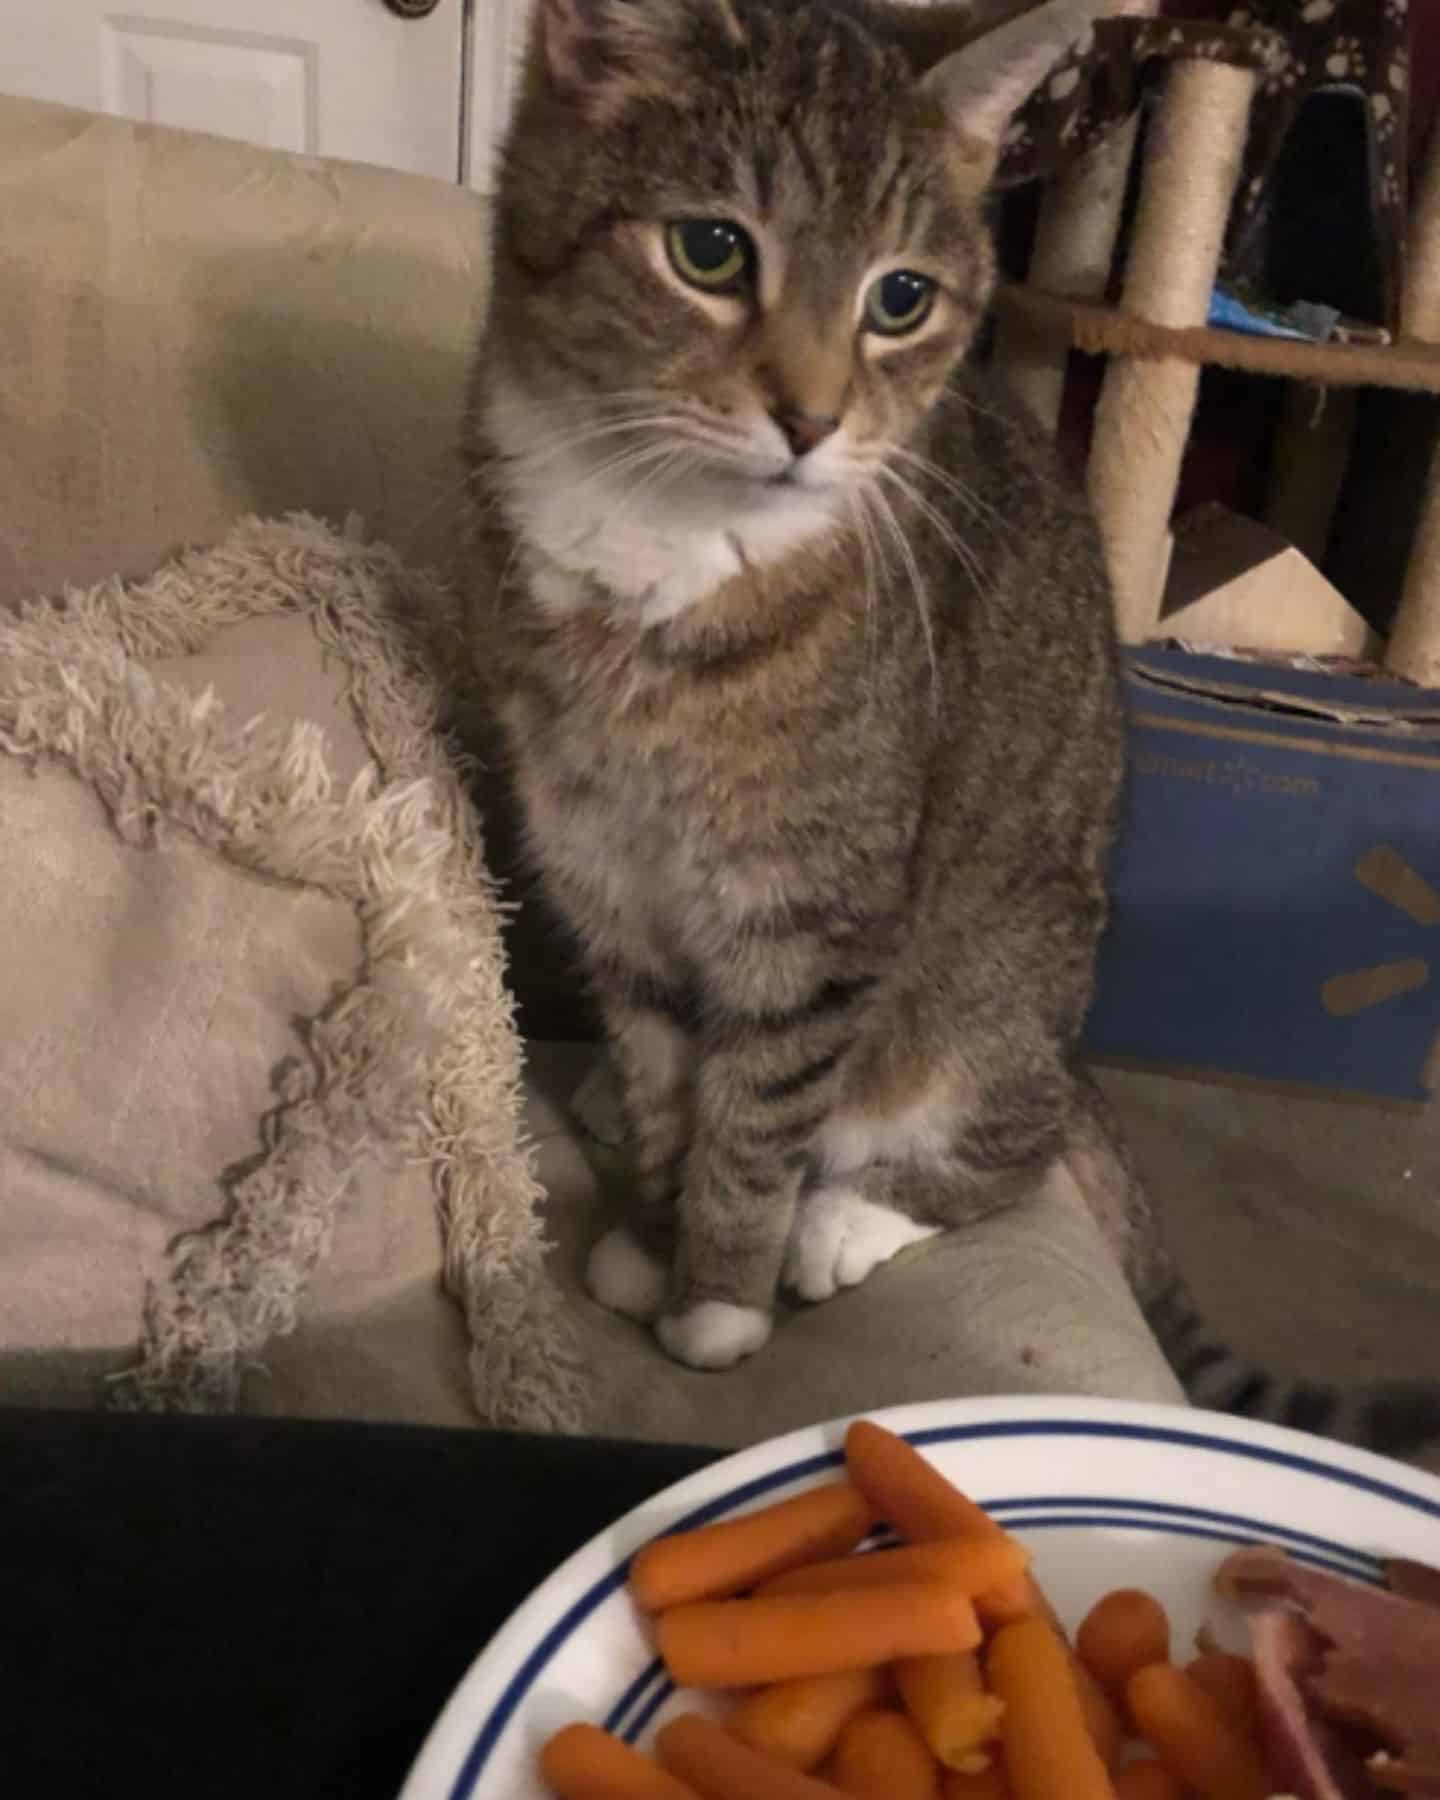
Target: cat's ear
(985,83)
(587,49)
(574,42)
(928,34)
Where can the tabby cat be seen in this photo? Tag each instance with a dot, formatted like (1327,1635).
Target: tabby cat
(802,647)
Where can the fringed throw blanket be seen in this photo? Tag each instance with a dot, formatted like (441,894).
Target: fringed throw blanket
(156,943)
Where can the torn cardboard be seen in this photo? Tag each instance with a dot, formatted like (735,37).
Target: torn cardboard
(1276,889)
(1235,581)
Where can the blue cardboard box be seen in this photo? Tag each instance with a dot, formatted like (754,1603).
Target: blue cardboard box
(1276,889)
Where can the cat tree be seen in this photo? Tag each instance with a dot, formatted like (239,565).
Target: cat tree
(1157,339)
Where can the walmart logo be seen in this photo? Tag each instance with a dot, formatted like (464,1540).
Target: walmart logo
(1387,874)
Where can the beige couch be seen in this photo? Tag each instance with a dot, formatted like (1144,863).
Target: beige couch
(191,332)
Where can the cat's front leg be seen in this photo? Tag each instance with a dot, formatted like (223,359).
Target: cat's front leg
(763,1090)
(654,1058)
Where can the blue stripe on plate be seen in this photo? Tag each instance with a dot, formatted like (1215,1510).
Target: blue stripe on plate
(1191,1440)
(649,1710)
(1167,1509)
(1216,1534)
(631,1733)
(577,1614)
(615,1719)
(523,1678)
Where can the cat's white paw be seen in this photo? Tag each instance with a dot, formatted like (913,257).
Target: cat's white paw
(713,1334)
(596,1104)
(839,1237)
(625,1277)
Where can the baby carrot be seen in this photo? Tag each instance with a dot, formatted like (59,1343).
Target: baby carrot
(881,1756)
(1230,1682)
(582,1762)
(984,1784)
(1049,1753)
(1192,1736)
(946,1697)
(1124,1630)
(1107,1733)
(972,1565)
(908,1492)
(797,1722)
(1146,1779)
(1106,1730)
(717,1766)
(1018,1599)
(912,1495)
(747,1643)
(717,1560)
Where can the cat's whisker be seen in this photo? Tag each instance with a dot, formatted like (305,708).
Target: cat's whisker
(931,470)
(675,461)
(727,450)
(571,405)
(609,470)
(956,396)
(576,440)
(869,552)
(947,534)
(620,466)
(646,475)
(565,432)
(885,512)
(584,406)
(623,460)
(447,493)
(665,478)
(497,595)
(964,553)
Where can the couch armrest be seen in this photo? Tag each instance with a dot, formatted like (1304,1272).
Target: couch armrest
(195,329)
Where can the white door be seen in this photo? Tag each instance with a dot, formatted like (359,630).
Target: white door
(497,40)
(345,78)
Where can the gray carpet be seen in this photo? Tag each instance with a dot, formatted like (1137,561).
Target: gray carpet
(1309,1229)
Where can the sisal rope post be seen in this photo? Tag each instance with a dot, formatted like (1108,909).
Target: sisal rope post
(1073,251)
(1420,302)
(1192,164)
(1414,649)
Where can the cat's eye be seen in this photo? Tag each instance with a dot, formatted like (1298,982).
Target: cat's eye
(899,302)
(712,254)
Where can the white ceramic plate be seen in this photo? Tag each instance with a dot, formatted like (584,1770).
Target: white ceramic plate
(1106,1494)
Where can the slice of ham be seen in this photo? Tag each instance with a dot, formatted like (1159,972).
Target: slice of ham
(1415,1580)
(1305,1753)
(1334,1654)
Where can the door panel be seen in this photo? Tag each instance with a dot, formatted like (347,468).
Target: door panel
(342,78)
(236,83)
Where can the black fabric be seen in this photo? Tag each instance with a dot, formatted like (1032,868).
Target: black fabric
(267,1608)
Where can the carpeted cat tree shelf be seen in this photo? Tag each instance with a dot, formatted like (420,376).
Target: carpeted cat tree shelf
(1158,342)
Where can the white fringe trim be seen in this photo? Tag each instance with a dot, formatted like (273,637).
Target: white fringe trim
(420,1055)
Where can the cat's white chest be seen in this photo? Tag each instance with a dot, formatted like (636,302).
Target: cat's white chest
(661,578)
(641,529)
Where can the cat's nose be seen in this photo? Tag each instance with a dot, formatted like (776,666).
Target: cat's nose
(804,430)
